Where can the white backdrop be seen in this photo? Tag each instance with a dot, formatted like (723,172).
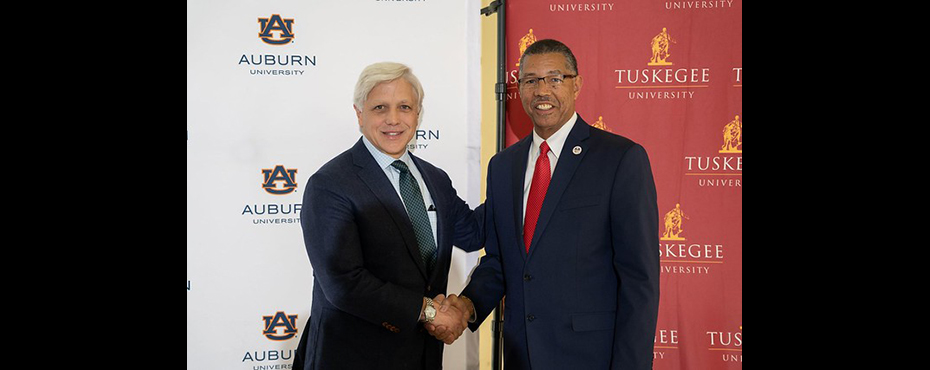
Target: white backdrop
(287,109)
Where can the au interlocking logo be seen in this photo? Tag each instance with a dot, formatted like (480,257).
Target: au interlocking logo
(278,31)
(280,320)
(284,27)
(279,174)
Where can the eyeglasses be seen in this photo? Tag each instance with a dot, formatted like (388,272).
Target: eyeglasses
(554,81)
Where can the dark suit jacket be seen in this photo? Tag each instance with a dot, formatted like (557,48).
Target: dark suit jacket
(369,278)
(586,295)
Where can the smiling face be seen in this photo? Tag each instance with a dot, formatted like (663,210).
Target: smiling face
(389,116)
(549,108)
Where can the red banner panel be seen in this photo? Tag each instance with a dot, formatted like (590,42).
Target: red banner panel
(668,75)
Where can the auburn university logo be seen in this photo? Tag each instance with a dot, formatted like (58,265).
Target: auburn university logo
(283,27)
(286,176)
(280,320)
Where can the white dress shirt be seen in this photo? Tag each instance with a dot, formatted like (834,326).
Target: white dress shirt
(393,175)
(556,142)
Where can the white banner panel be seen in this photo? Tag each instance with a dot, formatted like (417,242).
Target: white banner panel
(269,92)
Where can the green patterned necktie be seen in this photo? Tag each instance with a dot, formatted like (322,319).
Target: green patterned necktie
(413,199)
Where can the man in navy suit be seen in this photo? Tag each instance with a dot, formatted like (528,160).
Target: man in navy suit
(572,234)
(379,225)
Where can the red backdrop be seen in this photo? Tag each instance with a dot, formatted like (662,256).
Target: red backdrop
(668,75)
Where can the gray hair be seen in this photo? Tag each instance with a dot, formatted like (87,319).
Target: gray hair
(386,72)
(550,46)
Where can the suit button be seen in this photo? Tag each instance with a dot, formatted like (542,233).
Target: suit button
(429,288)
(527,277)
(530,317)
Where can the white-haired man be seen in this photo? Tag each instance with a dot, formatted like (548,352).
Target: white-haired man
(379,225)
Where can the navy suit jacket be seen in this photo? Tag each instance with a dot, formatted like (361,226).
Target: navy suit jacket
(369,278)
(586,295)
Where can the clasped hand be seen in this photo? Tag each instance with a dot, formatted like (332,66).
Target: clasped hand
(451,318)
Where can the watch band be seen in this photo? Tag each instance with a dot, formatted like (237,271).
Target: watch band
(429,312)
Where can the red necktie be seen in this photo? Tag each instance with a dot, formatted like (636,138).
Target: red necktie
(534,201)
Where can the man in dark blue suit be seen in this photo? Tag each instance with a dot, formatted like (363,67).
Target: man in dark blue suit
(379,225)
(572,234)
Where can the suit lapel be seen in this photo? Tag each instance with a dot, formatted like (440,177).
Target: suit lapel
(564,170)
(441,237)
(373,176)
(518,176)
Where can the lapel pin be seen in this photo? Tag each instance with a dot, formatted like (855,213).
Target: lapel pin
(576,150)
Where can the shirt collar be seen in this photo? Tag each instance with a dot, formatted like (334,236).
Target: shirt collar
(384,160)
(557,140)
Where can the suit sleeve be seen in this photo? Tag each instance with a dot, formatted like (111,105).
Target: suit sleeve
(634,230)
(331,237)
(486,286)
(468,230)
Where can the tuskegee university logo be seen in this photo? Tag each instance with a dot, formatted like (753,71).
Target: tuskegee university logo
(732,137)
(276,30)
(660,52)
(723,166)
(678,256)
(661,73)
(673,224)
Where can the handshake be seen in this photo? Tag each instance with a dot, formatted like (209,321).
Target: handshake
(451,317)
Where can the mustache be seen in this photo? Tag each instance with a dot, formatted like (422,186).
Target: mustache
(542,100)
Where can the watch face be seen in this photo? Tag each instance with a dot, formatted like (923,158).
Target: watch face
(429,312)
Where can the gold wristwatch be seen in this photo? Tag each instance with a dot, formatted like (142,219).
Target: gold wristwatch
(429,312)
